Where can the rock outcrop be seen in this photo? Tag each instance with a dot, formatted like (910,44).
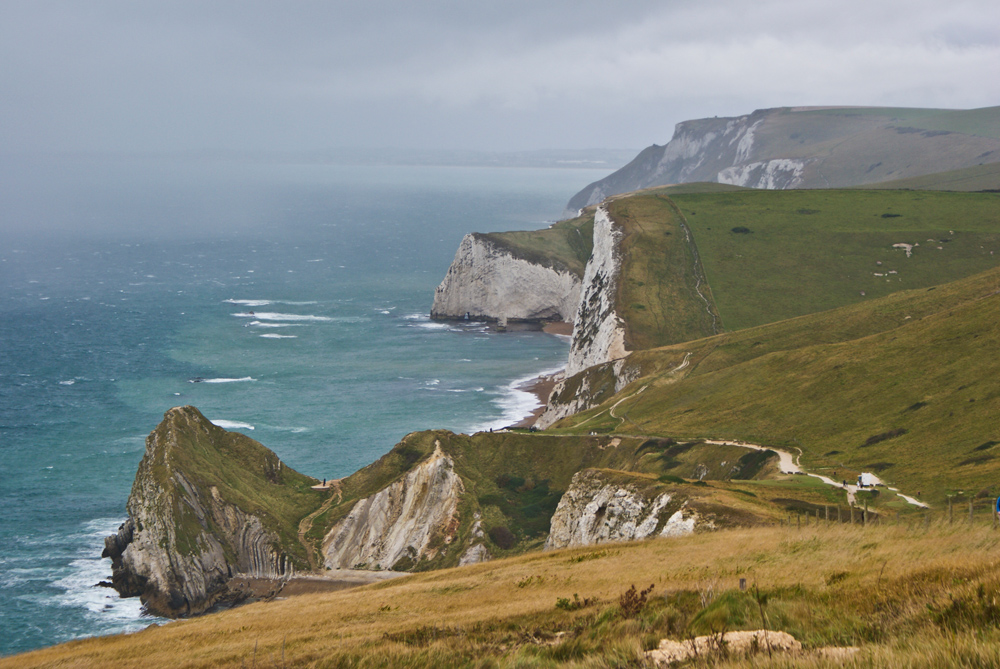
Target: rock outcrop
(185,538)
(598,331)
(489,281)
(409,520)
(600,507)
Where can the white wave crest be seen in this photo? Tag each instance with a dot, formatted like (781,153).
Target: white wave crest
(270,335)
(232,425)
(242,379)
(276,316)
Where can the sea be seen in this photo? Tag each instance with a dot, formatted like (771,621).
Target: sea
(286,301)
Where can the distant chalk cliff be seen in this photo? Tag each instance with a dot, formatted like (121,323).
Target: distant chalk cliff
(807,147)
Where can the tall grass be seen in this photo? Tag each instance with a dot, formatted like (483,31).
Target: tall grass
(891,590)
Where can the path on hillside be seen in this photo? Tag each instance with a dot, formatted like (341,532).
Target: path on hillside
(306,523)
(790,465)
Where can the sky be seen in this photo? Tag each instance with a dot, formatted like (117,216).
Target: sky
(249,75)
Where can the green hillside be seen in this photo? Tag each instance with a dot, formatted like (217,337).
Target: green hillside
(773,255)
(564,245)
(979,177)
(907,385)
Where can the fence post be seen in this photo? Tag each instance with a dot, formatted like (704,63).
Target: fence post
(951,516)
(852,514)
(970,512)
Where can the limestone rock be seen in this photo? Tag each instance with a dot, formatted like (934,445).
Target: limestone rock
(183,541)
(486,280)
(408,520)
(598,509)
(598,331)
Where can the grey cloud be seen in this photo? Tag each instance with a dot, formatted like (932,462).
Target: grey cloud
(521,74)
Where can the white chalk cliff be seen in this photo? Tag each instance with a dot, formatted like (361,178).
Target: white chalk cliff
(595,511)
(598,331)
(487,280)
(408,520)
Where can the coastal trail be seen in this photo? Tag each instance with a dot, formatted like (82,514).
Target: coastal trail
(790,465)
(306,523)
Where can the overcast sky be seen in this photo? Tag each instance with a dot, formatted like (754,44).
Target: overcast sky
(504,75)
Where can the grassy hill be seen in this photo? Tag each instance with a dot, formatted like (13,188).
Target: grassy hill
(976,178)
(906,595)
(773,255)
(907,385)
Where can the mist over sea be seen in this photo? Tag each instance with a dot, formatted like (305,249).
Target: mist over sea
(288,302)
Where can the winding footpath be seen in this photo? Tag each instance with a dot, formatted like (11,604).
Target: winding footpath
(790,465)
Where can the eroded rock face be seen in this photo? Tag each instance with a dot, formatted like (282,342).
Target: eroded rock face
(409,520)
(182,543)
(486,280)
(598,331)
(595,510)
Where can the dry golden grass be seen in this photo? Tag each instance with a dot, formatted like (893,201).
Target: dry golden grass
(827,584)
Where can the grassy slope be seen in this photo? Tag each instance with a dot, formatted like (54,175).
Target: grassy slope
(980,177)
(246,474)
(924,361)
(565,245)
(659,275)
(905,594)
(814,250)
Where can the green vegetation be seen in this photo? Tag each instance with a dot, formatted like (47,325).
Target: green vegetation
(817,250)
(565,245)
(908,385)
(978,178)
(661,276)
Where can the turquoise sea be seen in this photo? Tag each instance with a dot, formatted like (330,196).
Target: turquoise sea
(289,302)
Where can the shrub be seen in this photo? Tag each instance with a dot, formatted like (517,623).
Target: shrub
(502,537)
(631,603)
(741,230)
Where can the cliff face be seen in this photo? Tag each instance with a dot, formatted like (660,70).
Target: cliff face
(184,539)
(598,331)
(797,147)
(488,281)
(409,520)
(597,509)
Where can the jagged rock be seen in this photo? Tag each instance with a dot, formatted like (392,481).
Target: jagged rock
(408,520)
(487,280)
(598,331)
(183,540)
(598,509)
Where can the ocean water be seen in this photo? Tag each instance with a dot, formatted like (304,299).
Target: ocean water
(288,302)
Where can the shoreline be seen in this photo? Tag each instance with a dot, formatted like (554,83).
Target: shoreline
(541,386)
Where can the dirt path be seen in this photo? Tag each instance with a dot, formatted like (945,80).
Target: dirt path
(790,465)
(306,523)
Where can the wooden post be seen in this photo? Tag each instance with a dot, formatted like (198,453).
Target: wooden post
(970,512)
(827,510)
(951,517)
(852,514)
(743,584)
(864,515)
